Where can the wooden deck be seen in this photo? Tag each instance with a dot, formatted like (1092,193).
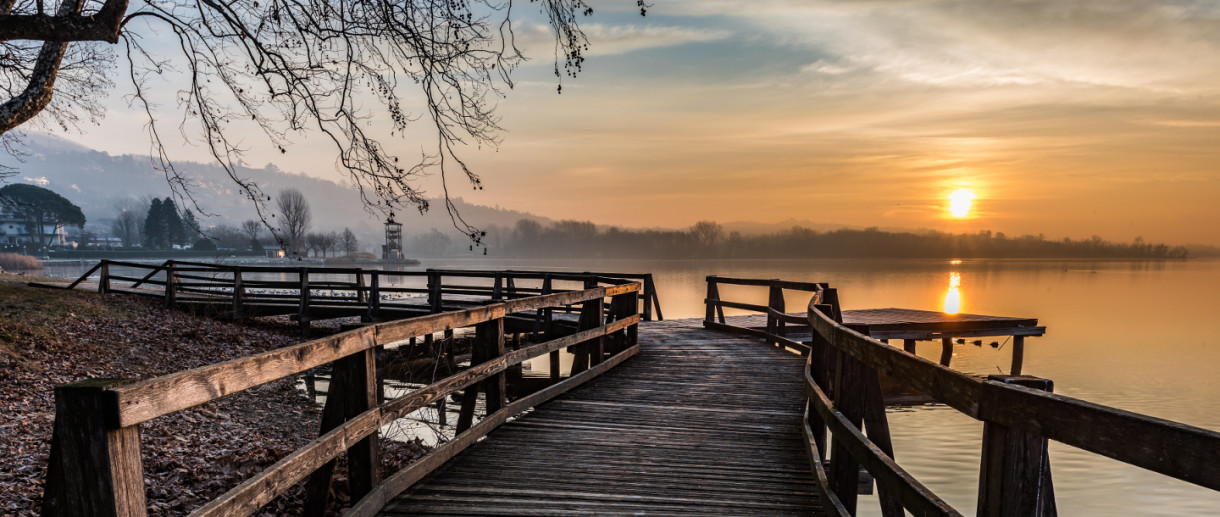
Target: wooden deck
(699,423)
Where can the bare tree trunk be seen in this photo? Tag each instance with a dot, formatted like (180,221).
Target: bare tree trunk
(38,92)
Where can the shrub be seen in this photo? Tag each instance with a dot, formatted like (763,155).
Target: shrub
(13,261)
(204,244)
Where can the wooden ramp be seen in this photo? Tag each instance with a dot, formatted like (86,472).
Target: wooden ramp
(699,423)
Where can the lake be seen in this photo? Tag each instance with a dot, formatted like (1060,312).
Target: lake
(1140,336)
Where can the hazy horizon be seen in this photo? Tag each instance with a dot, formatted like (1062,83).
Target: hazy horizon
(1066,118)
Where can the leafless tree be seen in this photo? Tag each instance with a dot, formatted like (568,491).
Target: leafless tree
(331,242)
(126,227)
(338,69)
(252,228)
(348,243)
(707,233)
(295,219)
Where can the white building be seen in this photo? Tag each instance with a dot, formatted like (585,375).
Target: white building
(13,231)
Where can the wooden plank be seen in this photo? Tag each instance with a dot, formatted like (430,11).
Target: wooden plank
(372,503)
(654,436)
(144,400)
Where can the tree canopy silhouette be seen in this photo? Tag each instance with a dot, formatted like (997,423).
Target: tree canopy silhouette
(347,70)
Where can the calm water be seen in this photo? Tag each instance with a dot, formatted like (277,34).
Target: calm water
(1141,336)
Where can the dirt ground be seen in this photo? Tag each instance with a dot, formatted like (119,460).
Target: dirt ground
(52,337)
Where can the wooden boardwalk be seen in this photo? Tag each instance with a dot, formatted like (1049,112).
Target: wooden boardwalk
(699,423)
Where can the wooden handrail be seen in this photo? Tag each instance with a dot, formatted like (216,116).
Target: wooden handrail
(123,405)
(1176,450)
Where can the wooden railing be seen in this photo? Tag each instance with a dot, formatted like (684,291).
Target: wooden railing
(95,466)
(372,292)
(1019,413)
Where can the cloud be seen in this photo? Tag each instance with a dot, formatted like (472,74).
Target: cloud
(1165,46)
(536,39)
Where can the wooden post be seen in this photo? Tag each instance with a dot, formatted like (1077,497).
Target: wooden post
(374,299)
(650,296)
(239,292)
(946,351)
(171,285)
(775,301)
(352,390)
(1015,475)
(103,283)
(1018,354)
(490,336)
(359,286)
(95,466)
(435,298)
(909,345)
(548,328)
(591,316)
(303,309)
(713,296)
(849,400)
(510,286)
(818,371)
(435,293)
(497,288)
(624,306)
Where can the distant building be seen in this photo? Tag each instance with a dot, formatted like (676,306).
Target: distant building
(14,232)
(392,249)
(274,251)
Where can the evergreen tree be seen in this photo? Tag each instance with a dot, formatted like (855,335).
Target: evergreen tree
(175,230)
(191,225)
(154,227)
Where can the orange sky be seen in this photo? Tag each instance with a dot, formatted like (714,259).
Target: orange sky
(1068,118)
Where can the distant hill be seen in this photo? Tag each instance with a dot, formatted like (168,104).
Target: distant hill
(100,183)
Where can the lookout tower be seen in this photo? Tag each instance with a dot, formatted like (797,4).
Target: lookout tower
(392,250)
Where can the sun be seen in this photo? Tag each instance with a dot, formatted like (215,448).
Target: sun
(960,202)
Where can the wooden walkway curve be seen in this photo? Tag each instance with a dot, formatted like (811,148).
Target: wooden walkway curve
(701,422)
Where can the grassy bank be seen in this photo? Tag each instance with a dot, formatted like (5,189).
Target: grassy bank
(51,337)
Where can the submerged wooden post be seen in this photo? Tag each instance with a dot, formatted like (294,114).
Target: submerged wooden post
(909,345)
(352,390)
(95,467)
(1018,354)
(946,351)
(1015,475)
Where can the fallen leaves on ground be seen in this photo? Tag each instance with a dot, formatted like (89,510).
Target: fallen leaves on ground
(190,457)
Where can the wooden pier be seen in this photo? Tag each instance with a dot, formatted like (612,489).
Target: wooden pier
(677,417)
(699,423)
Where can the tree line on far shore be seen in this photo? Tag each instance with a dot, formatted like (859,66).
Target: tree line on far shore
(708,239)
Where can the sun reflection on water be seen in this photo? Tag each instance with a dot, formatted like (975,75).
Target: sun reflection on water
(953,297)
